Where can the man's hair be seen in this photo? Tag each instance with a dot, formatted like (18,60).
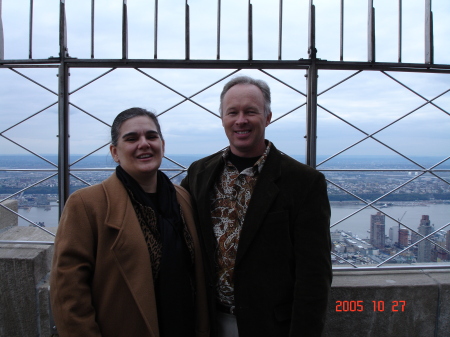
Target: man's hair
(131,113)
(265,90)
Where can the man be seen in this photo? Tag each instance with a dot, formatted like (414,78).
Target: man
(263,221)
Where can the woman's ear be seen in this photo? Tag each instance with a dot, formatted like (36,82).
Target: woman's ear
(114,154)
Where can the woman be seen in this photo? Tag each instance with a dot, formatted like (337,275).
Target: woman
(127,259)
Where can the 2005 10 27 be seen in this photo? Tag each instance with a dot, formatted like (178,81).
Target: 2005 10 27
(377,306)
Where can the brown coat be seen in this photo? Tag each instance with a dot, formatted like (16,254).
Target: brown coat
(101,282)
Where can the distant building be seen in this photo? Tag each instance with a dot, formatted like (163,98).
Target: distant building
(403,236)
(393,233)
(448,240)
(377,230)
(424,251)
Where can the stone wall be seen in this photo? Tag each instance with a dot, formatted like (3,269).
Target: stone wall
(424,296)
(7,218)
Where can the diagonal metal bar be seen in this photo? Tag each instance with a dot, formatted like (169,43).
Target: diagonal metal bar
(87,113)
(29,186)
(198,92)
(80,179)
(31,80)
(28,150)
(287,113)
(416,93)
(95,79)
(371,135)
(29,117)
(345,260)
(85,156)
(340,82)
(28,220)
(173,161)
(368,136)
(282,82)
(415,243)
(185,97)
(373,202)
(31,222)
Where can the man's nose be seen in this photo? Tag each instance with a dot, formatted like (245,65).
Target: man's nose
(241,118)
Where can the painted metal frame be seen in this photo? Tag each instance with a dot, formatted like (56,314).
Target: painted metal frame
(311,66)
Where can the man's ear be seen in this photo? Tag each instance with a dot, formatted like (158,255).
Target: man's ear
(268,118)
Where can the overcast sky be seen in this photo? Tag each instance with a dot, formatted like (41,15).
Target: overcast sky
(369,100)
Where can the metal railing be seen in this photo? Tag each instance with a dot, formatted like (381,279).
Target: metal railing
(312,66)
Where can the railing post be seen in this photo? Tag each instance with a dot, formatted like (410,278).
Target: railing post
(371,33)
(429,55)
(2,51)
(311,99)
(63,113)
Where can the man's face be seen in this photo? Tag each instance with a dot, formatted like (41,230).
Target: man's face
(244,121)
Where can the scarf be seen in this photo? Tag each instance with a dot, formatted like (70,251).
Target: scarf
(157,220)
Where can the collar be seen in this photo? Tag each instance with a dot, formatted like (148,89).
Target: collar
(257,167)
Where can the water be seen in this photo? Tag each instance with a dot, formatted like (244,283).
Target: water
(358,224)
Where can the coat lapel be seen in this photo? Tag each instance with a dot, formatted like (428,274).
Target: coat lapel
(264,194)
(206,179)
(133,259)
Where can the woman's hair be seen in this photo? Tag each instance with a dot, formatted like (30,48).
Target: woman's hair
(130,113)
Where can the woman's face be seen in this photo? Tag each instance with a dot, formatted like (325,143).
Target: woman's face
(139,148)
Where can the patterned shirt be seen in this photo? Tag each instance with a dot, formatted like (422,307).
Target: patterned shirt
(229,201)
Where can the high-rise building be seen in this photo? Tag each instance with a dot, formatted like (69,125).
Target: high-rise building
(424,252)
(403,236)
(377,230)
(393,233)
(447,245)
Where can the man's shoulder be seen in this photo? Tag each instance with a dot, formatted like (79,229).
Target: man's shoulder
(291,165)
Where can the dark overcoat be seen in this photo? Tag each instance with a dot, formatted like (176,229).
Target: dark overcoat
(282,272)
(101,282)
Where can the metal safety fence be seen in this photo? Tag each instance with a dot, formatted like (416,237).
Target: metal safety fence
(313,102)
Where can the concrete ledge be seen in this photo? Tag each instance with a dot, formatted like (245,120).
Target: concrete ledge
(25,307)
(426,312)
(24,268)
(7,218)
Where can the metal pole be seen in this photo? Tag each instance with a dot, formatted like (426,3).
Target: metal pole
(63,113)
(92,27)
(311,99)
(371,33)
(341,53)
(124,30)
(30,39)
(250,31)
(155,38)
(429,57)
(399,31)
(219,5)
(280,29)
(2,44)
(187,31)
